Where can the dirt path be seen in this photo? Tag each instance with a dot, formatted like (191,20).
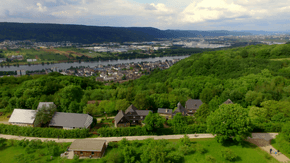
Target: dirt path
(263,141)
(4,122)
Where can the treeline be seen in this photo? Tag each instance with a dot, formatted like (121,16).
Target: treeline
(43,132)
(139,131)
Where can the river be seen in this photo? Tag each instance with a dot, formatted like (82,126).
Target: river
(90,64)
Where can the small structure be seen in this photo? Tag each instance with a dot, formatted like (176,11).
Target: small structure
(192,105)
(228,102)
(88,148)
(132,116)
(23,117)
(165,112)
(45,104)
(71,120)
(180,109)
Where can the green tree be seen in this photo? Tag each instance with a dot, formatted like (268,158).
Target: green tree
(122,104)
(178,122)
(153,122)
(44,115)
(202,113)
(70,93)
(91,109)
(141,101)
(286,131)
(258,115)
(229,121)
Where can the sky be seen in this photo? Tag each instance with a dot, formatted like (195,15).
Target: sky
(267,15)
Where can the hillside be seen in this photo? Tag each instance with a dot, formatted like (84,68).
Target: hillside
(94,34)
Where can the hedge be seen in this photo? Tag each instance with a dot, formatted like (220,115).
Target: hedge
(139,131)
(43,132)
(268,127)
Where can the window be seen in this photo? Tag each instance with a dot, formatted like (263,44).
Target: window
(93,153)
(134,121)
(190,110)
(141,117)
(133,116)
(81,153)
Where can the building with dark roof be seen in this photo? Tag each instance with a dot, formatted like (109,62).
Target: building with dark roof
(180,109)
(45,104)
(131,116)
(228,102)
(71,120)
(88,148)
(165,112)
(192,105)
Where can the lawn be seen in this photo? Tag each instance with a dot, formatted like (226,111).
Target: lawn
(4,117)
(246,153)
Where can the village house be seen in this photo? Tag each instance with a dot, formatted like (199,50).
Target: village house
(71,120)
(131,116)
(45,104)
(89,148)
(192,105)
(180,109)
(167,113)
(228,101)
(22,117)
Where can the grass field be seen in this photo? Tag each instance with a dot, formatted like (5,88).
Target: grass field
(246,153)
(280,59)
(4,117)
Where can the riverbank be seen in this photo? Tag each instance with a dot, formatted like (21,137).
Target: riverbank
(65,65)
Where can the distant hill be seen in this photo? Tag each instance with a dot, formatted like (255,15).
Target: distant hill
(95,34)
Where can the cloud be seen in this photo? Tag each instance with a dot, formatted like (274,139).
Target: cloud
(211,10)
(41,8)
(149,7)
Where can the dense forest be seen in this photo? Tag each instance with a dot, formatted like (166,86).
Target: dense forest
(94,34)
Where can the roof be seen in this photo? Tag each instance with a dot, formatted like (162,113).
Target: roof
(71,120)
(164,111)
(180,109)
(91,102)
(41,104)
(131,109)
(193,104)
(143,112)
(228,102)
(87,145)
(23,116)
(119,116)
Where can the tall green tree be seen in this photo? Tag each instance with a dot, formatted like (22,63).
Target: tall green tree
(153,122)
(44,115)
(229,122)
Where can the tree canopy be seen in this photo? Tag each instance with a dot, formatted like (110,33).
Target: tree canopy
(230,121)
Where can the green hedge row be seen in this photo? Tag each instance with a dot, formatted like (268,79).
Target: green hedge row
(138,131)
(268,127)
(43,132)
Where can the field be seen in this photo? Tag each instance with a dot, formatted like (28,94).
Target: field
(246,153)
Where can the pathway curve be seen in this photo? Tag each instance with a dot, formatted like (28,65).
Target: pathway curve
(263,140)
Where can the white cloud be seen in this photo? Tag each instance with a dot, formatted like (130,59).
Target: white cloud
(211,10)
(41,8)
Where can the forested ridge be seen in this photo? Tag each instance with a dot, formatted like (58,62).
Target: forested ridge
(94,34)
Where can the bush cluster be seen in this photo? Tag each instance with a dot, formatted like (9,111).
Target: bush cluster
(137,131)
(43,132)
(228,154)
(267,127)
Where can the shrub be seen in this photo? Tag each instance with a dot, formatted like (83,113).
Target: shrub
(2,142)
(286,131)
(200,149)
(228,154)
(210,158)
(43,132)
(267,127)
(267,156)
